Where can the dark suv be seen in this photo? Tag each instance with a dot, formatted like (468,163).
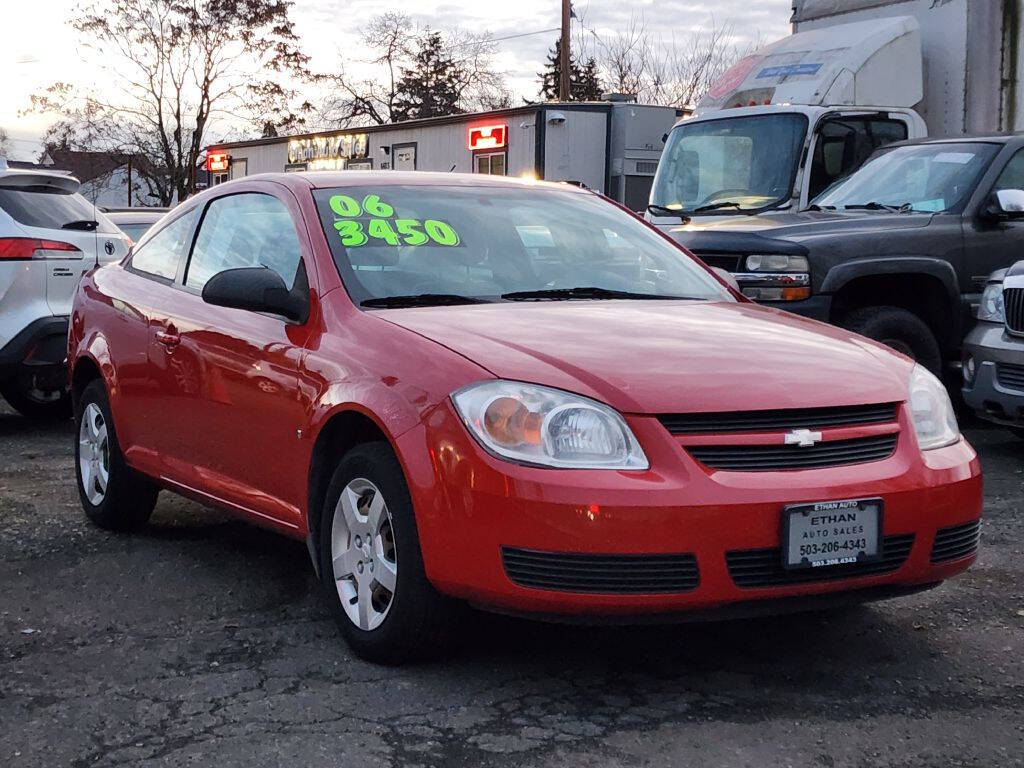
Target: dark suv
(898,251)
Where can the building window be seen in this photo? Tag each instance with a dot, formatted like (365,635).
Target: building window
(220,178)
(490,162)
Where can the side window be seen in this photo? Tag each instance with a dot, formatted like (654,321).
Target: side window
(246,230)
(162,253)
(1012,176)
(843,144)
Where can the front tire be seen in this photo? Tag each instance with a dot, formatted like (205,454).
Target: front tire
(899,329)
(113,495)
(371,565)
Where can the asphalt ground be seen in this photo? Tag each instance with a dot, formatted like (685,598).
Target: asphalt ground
(200,641)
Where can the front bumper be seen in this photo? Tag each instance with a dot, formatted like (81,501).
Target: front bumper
(817,307)
(990,346)
(471,508)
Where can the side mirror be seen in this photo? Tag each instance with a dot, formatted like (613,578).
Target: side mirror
(257,289)
(728,277)
(1006,204)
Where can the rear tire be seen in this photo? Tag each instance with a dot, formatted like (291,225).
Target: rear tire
(899,329)
(26,398)
(374,542)
(113,495)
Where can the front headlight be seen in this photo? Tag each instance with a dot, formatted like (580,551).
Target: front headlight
(934,420)
(776,262)
(991,306)
(547,427)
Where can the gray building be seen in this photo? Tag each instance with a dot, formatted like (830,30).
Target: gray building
(609,146)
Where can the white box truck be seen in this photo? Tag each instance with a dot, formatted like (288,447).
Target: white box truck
(791,119)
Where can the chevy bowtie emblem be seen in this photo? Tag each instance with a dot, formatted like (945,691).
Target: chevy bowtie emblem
(803,437)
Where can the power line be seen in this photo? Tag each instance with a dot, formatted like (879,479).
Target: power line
(524,34)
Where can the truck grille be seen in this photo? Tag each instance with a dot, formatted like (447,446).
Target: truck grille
(1010,376)
(609,574)
(730,262)
(752,568)
(956,541)
(761,458)
(782,420)
(1013,303)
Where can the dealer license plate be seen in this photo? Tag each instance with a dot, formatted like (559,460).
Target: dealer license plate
(828,533)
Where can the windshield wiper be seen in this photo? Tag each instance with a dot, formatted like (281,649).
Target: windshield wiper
(421,300)
(664,210)
(873,206)
(816,207)
(86,225)
(716,206)
(584,292)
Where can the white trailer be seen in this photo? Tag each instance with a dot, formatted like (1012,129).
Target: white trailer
(611,146)
(800,114)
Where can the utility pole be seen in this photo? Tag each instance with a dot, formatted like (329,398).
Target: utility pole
(564,59)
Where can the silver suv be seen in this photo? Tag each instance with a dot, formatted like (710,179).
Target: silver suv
(49,237)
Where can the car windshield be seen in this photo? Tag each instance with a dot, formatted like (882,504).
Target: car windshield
(924,178)
(445,243)
(737,163)
(52,209)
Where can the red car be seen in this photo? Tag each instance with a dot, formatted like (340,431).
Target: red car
(471,390)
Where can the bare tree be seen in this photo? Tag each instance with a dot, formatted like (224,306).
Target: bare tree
(673,70)
(5,143)
(368,91)
(172,67)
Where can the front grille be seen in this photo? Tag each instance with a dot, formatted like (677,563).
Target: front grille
(1013,304)
(752,568)
(1010,376)
(956,541)
(761,458)
(610,574)
(730,262)
(779,420)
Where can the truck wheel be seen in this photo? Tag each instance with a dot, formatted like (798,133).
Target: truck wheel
(370,562)
(113,495)
(900,329)
(25,395)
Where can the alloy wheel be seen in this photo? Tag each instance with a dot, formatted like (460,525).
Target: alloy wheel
(363,554)
(94,454)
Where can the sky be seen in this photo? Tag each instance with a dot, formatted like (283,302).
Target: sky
(39,47)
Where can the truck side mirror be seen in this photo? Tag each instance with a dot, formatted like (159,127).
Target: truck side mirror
(1006,204)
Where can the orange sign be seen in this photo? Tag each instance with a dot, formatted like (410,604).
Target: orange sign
(488,136)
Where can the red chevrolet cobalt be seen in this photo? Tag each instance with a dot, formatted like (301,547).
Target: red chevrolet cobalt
(469,390)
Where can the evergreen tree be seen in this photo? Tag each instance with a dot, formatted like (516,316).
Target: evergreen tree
(584,82)
(431,87)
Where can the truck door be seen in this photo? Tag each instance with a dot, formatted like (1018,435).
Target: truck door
(991,243)
(843,142)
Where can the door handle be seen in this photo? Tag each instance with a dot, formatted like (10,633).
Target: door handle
(169,340)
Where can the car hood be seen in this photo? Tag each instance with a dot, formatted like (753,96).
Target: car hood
(667,356)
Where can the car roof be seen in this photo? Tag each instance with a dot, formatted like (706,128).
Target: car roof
(982,138)
(136,216)
(328,179)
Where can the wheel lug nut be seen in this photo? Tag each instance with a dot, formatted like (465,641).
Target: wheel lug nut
(359,567)
(359,542)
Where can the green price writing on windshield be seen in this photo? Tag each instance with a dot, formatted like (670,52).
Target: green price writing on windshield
(372,218)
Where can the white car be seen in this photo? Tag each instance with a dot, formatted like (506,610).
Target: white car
(49,237)
(135,222)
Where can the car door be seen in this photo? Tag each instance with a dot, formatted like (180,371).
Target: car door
(992,243)
(230,376)
(143,295)
(843,142)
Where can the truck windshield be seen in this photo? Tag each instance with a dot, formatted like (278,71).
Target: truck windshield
(730,164)
(926,178)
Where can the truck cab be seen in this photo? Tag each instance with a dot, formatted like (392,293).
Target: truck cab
(785,123)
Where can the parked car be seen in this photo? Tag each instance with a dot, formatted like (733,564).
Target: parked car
(519,396)
(49,237)
(993,365)
(898,251)
(135,222)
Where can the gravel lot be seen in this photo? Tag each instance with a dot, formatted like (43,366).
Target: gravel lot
(200,640)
